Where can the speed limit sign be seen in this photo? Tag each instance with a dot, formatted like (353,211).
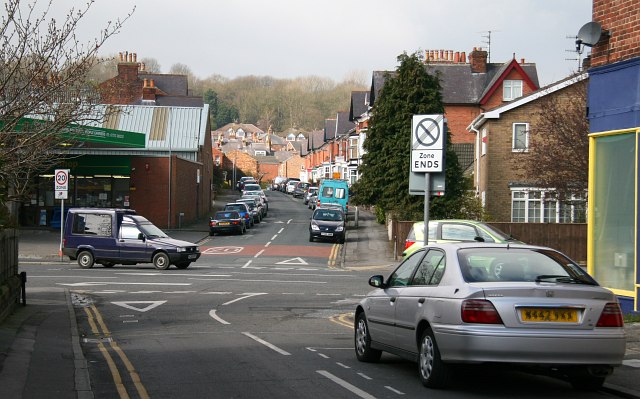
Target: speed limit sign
(61,180)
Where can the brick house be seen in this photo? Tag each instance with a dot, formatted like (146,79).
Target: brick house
(614,177)
(502,140)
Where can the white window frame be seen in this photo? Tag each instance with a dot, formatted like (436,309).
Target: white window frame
(353,147)
(526,137)
(511,89)
(576,207)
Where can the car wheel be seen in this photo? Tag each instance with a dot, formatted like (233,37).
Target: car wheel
(310,238)
(362,341)
(582,380)
(211,233)
(183,265)
(161,261)
(341,240)
(85,259)
(241,231)
(433,372)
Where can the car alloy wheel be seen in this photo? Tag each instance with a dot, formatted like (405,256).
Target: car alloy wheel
(362,341)
(434,373)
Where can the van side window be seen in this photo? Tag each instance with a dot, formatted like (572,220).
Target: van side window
(340,192)
(92,224)
(129,232)
(327,192)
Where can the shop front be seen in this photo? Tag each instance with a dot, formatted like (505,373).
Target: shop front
(94,181)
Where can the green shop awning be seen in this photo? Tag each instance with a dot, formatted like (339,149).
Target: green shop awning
(88,165)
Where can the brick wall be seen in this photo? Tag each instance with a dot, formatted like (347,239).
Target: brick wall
(458,118)
(622,19)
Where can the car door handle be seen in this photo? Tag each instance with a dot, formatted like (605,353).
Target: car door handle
(392,299)
(421,300)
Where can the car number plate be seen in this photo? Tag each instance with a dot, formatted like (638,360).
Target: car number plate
(193,256)
(326,234)
(545,315)
(224,223)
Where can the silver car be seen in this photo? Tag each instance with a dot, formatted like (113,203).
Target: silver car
(492,303)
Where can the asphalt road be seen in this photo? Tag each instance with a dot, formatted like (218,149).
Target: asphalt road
(262,315)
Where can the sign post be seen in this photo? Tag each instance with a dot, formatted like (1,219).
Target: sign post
(61,186)
(427,154)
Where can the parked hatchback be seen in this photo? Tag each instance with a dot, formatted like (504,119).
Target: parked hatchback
(472,303)
(226,222)
(453,230)
(243,210)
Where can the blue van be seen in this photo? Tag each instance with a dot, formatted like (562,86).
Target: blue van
(120,236)
(334,191)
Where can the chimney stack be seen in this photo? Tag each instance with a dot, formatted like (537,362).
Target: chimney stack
(478,60)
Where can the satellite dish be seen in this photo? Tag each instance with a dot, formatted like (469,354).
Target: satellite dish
(589,34)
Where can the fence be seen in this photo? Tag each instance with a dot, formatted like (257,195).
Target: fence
(9,279)
(569,238)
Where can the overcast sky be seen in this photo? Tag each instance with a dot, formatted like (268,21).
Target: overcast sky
(333,38)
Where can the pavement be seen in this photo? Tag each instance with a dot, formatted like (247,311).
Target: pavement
(40,353)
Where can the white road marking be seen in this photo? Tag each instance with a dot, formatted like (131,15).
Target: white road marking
(274,237)
(328,294)
(261,281)
(91,283)
(180,292)
(246,295)
(267,244)
(310,349)
(344,366)
(289,221)
(150,305)
(394,390)
(145,292)
(213,314)
(322,355)
(267,344)
(217,293)
(247,264)
(259,253)
(58,276)
(366,377)
(293,293)
(281,230)
(176,274)
(292,261)
(355,390)
(129,321)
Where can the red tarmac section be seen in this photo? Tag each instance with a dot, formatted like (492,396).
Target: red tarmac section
(271,250)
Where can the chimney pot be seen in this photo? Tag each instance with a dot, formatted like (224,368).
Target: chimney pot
(152,83)
(120,56)
(146,82)
(522,61)
(456,57)
(463,57)
(135,57)
(450,55)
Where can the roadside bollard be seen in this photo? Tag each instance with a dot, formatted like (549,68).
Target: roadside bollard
(23,287)
(356,217)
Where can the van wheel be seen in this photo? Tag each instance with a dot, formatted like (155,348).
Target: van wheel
(161,261)
(183,265)
(85,259)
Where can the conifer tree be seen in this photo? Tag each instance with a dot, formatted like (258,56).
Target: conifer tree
(384,181)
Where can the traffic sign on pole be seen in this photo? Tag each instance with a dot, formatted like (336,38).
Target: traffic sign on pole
(427,143)
(61,180)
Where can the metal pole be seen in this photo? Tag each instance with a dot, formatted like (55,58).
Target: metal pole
(170,171)
(427,192)
(61,227)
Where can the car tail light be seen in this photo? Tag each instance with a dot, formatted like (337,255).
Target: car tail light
(611,316)
(408,243)
(480,311)
(212,223)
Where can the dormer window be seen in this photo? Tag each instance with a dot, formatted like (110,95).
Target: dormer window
(291,137)
(512,89)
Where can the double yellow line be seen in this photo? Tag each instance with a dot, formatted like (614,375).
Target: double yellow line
(335,250)
(99,328)
(344,319)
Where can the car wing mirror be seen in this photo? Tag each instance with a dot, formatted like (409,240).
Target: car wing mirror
(141,237)
(479,239)
(377,281)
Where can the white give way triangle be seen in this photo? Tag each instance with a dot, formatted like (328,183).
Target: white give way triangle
(293,261)
(129,305)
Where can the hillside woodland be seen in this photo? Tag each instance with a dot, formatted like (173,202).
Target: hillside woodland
(303,102)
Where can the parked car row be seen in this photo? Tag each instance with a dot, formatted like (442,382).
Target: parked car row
(244,213)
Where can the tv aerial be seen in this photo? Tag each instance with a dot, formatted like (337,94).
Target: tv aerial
(588,35)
